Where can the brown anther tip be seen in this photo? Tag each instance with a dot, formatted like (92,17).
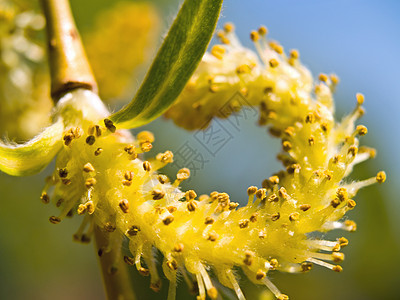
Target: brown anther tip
(294,216)
(286,146)
(130,149)
(343,241)
(85,239)
(243,223)
(251,190)
(155,286)
(336,248)
(262,234)
(262,30)
(310,118)
(191,194)
(294,54)
(179,247)
(63,173)
(283,193)
(342,194)
(335,203)
(212,293)
(166,157)
(88,167)
(124,206)
(353,150)
(146,166)
(248,257)
(59,202)
(254,217)
(146,146)
(66,181)
(127,182)
(337,257)
(90,140)
(233,205)
(98,151)
(133,231)
(168,220)
(109,227)
(229,27)
(360,98)
(100,252)
(172,264)
(282,297)
(275,217)
(129,260)
(254,36)
(183,174)
(110,125)
(128,175)
(54,219)
(323,77)
(158,194)
(305,207)
(381,177)
(212,236)
(192,205)
(45,198)
(163,179)
(261,193)
(90,182)
(306,266)
(273,198)
(273,63)
(361,130)
(274,263)
(81,209)
(209,221)
(351,203)
(143,271)
(260,274)
(352,226)
(337,269)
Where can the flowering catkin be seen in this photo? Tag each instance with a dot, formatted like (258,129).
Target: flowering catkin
(101,175)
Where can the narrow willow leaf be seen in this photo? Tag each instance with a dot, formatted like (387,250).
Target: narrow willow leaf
(175,62)
(33,156)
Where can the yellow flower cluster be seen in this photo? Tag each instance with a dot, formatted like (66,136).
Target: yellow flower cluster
(24,103)
(101,175)
(118,46)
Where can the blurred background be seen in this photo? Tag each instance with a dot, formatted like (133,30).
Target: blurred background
(359,40)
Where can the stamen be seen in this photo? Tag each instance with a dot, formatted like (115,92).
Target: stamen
(235,285)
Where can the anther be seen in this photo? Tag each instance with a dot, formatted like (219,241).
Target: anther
(146,146)
(334,79)
(179,247)
(110,125)
(274,263)
(282,297)
(248,257)
(145,136)
(59,202)
(381,177)
(190,195)
(351,203)
(273,63)
(133,230)
(63,173)
(90,182)
(254,217)
(251,190)
(124,205)
(273,198)
(337,257)
(286,146)
(109,227)
(88,168)
(283,193)
(254,36)
(163,179)
(311,140)
(172,264)
(351,225)
(310,118)
(66,181)
(361,130)
(294,54)
(260,194)
(260,274)
(305,207)
(343,242)
(54,219)
(129,260)
(335,203)
(192,205)
(275,217)
(360,98)
(166,157)
(342,194)
(212,236)
(262,234)
(233,205)
(229,27)
(183,174)
(81,209)
(45,198)
(209,221)
(218,51)
(243,223)
(130,149)
(168,220)
(158,194)
(352,150)
(90,140)
(306,266)
(337,269)
(323,77)
(98,151)
(128,175)
(294,216)
(146,166)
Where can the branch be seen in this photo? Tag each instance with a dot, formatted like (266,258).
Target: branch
(69,66)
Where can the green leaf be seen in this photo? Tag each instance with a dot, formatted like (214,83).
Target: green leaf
(31,157)
(175,62)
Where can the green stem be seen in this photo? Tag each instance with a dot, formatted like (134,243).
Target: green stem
(69,66)
(114,271)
